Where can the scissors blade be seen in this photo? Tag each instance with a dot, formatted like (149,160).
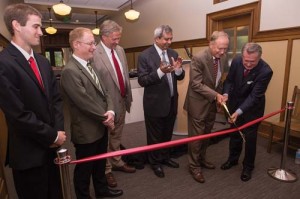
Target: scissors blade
(229,115)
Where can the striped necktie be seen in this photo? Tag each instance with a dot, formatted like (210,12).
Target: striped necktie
(169,75)
(94,76)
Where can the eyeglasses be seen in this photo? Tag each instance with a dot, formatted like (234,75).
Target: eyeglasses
(89,43)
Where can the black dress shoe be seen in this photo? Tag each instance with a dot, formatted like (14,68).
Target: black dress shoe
(110,193)
(246,175)
(228,165)
(159,172)
(171,163)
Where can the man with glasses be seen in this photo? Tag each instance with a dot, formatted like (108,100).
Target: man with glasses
(91,112)
(110,62)
(245,88)
(203,97)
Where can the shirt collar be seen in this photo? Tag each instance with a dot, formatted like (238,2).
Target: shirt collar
(26,55)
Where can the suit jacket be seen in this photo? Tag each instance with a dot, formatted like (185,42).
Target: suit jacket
(86,103)
(202,89)
(247,93)
(157,96)
(33,115)
(106,71)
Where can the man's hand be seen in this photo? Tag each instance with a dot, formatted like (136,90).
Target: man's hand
(220,99)
(61,138)
(178,63)
(233,117)
(165,67)
(110,121)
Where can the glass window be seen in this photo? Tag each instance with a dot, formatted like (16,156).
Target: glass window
(58,57)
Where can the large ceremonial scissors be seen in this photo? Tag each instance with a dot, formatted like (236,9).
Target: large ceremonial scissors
(229,115)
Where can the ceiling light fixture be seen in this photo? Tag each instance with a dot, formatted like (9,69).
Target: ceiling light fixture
(61,8)
(96,30)
(50,30)
(132,14)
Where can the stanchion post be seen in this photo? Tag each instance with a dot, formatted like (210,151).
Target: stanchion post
(281,173)
(62,161)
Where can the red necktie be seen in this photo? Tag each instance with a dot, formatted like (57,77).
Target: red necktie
(216,66)
(119,74)
(36,71)
(246,72)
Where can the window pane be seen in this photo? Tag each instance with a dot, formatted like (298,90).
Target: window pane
(242,37)
(58,58)
(47,55)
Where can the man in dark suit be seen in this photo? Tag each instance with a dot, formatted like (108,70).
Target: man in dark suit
(91,112)
(118,84)
(203,97)
(159,68)
(32,106)
(245,87)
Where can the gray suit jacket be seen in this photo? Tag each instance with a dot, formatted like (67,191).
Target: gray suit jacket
(202,88)
(106,71)
(86,103)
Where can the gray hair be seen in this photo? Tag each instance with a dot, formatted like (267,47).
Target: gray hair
(216,34)
(108,27)
(252,48)
(159,31)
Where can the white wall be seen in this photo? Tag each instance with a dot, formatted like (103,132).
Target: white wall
(188,18)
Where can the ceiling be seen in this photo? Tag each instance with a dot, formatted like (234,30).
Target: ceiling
(83,11)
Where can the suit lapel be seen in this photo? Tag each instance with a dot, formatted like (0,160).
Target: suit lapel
(24,64)
(108,65)
(86,73)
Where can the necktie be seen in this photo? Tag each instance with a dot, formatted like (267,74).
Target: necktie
(246,72)
(94,76)
(169,75)
(119,74)
(215,68)
(36,71)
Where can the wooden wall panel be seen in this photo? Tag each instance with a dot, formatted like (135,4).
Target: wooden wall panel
(295,68)
(275,53)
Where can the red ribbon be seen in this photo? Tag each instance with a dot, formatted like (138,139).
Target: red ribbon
(171,143)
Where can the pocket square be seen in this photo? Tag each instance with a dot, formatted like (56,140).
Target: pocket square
(249,82)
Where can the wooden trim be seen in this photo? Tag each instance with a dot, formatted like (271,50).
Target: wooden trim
(252,9)
(218,1)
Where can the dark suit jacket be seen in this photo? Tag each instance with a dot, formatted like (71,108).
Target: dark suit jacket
(202,88)
(86,103)
(33,116)
(157,96)
(106,72)
(247,93)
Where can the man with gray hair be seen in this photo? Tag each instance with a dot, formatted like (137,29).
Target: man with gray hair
(245,88)
(203,97)
(159,69)
(111,63)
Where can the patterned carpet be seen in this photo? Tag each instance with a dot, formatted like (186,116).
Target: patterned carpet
(219,184)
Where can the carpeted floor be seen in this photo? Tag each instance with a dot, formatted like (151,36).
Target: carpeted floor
(219,184)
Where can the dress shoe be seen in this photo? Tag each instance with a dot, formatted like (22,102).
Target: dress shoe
(228,165)
(110,193)
(159,172)
(197,175)
(125,168)
(111,181)
(207,165)
(171,163)
(246,175)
